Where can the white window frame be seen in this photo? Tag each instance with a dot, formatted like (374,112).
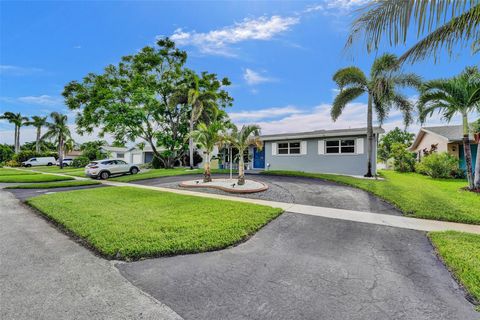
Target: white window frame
(289,154)
(121,155)
(340,147)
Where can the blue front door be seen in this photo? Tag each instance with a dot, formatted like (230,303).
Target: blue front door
(258,158)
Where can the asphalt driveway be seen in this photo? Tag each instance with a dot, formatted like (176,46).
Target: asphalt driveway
(300,190)
(304,267)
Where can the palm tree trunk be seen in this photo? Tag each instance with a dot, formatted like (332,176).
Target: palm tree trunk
(207,176)
(15,139)
(60,153)
(476,182)
(190,145)
(369,136)
(241,171)
(37,142)
(467,152)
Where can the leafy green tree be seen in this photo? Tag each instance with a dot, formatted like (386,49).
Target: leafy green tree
(18,121)
(241,140)
(404,160)
(59,131)
(6,152)
(457,95)
(143,97)
(37,122)
(443,24)
(393,136)
(204,96)
(207,137)
(91,149)
(381,89)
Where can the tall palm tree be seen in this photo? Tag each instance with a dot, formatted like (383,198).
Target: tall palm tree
(443,23)
(207,137)
(37,122)
(381,89)
(59,131)
(18,121)
(241,140)
(457,95)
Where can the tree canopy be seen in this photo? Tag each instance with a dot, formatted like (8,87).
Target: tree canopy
(144,96)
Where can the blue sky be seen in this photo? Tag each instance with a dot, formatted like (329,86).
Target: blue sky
(280,56)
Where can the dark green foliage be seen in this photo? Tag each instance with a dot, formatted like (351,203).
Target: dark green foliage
(91,149)
(27,154)
(404,160)
(80,162)
(394,136)
(439,165)
(45,146)
(156,163)
(6,152)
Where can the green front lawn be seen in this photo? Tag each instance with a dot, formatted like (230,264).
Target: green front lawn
(59,184)
(461,253)
(416,195)
(13,172)
(78,172)
(131,223)
(16,178)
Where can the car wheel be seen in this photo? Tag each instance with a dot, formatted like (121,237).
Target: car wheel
(49,164)
(28,165)
(134,170)
(65,164)
(104,175)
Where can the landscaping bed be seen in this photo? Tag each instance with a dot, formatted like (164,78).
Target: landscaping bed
(131,223)
(158,173)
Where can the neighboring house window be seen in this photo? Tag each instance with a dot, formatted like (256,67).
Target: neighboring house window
(340,146)
(120,155)
(289,148)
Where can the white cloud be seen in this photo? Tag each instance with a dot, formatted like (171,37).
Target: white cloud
(253,77)
(345,4)
(264,113)
(44,100)
(77,47)
(218,41)
(17,70)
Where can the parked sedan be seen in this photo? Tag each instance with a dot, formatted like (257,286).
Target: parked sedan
(103,169)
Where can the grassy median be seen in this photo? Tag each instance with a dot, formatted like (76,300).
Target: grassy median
(21,178)
(416,195)
(132,223)
(59,184)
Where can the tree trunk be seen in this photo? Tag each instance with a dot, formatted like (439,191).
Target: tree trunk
(476,182)
(467,152)
(37,142)
(15,139)
(241,170)
(369,136)
(190,145)
(60,153)
(207,176)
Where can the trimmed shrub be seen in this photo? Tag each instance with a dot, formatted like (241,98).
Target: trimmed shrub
(12,163)
(404,161)
(439,165)
(156,163)
(80,162)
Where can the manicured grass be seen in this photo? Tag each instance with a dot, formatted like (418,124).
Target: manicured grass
(131,223)
(416,195)
(60,184)
(13,172)
(158,173)
(32,178)
(461,253)
(78,172)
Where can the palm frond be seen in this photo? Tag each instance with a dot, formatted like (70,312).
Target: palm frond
(345,96)
(350,76)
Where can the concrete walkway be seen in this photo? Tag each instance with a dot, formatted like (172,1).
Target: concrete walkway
(350,215)
(46,275)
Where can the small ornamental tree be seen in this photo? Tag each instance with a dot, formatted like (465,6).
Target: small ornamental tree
(394,136)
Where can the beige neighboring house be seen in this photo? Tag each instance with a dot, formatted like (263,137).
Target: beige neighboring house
(446,139)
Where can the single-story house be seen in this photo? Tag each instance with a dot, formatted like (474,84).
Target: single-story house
(323,151)
(133,155)
(444,139)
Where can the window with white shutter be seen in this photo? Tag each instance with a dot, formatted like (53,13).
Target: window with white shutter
(321,146)
(274,148)
(359,145)
(303,147)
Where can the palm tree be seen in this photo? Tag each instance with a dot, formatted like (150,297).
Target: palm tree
(59,131)
(241,140)
(457,95)
(207,137)
(446,24)
(18,120)
(381,89)
(476,133)
(37,122)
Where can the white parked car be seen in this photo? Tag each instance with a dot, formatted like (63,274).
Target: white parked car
(39,161)
(66,162)
(103,169)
